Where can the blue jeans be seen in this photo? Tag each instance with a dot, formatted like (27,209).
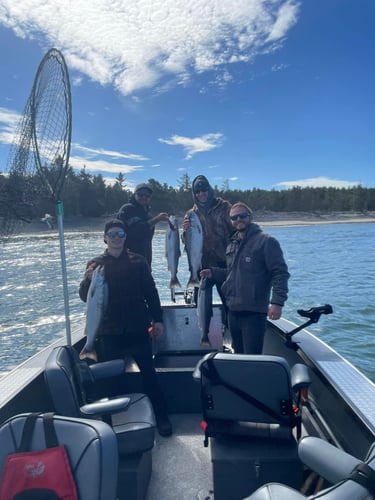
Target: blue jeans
(247,330)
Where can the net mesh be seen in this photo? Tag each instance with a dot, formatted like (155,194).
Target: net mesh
(41,145)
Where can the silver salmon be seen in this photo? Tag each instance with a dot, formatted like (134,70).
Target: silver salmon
(172,250)
(204,309)
(193,248)
(97,300)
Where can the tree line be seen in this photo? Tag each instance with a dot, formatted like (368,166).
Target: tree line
(88,195)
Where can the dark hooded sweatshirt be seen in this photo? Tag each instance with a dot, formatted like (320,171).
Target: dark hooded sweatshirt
(133,299)
(139,232)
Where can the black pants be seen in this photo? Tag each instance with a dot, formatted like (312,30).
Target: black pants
(115,347)
(247,330)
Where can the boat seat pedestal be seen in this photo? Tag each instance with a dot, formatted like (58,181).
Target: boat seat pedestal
(332,464)
(240,466)
(134,424)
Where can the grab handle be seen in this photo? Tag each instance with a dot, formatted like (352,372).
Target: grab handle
(313,314)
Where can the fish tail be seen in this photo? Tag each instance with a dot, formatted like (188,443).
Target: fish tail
(174,282)
(89,346)
(88,355)
(205,340)
(193,283)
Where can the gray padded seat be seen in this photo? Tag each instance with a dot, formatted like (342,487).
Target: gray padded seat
(91,447)
(134,427)
(131,416)
(331,463)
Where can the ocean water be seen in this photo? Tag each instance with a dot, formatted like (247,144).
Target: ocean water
(333,263)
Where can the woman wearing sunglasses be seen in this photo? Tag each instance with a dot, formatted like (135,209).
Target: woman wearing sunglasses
(256,281)
(133,302)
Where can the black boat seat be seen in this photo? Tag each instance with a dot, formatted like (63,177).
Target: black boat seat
(334,465)
(134,427)
(131,416)
(249,410)
(252,395)
(91,447)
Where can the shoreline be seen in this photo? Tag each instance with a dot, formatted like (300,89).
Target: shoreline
(311,218)
(263,218)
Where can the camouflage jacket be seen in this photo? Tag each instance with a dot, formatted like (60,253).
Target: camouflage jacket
(217,229)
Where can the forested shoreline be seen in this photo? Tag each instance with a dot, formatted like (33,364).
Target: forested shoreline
(87,195)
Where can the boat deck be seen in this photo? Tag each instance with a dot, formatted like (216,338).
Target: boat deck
(340,407)
(181,464)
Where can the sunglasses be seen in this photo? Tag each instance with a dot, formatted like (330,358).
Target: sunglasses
(113,234)
(243,215)
(201,191)
(143,194)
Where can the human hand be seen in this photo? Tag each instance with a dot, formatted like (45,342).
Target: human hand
(157,330)
(185,224)
(163,217)
(90,270)
(274,311)
(205,273)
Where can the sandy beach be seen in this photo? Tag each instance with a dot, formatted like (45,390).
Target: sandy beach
(310,218)
(263,218)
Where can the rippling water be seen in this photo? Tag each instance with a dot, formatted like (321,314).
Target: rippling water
(333,263)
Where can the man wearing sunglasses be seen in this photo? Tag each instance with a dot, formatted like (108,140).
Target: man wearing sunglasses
(213,213)
(256,281)
(139,222)
(133,302)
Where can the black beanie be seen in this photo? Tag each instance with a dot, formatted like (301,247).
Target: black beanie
(200,182)
(114,223)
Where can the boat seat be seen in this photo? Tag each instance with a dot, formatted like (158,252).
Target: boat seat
(91,447)
(131,416)
(249,412)
(334,465)
(250,395)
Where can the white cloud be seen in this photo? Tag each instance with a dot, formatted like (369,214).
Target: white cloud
(279,67)
(194,145)
(141,44)
(285,18)
(110,181)
(90,152)
(93,159)
(318,182)
(9,121)
(99,166)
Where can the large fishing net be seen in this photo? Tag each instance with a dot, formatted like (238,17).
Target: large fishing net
(38,159)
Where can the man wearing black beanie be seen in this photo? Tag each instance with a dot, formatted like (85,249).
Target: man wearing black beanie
(133,305)
(213,213)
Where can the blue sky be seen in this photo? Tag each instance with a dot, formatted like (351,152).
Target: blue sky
(260,93)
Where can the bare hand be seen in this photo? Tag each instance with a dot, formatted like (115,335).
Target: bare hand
(90,270)
(274,311)
(163,216)
(206,273)
(185,224)
(158,330)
